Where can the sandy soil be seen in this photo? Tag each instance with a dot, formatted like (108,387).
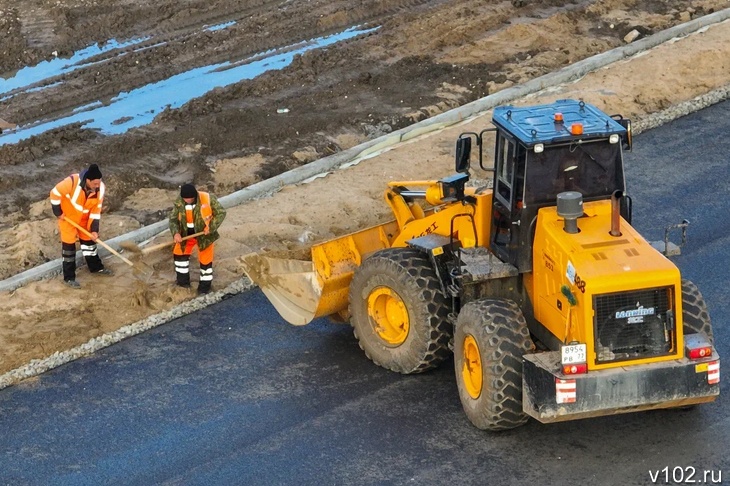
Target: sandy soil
(425,58)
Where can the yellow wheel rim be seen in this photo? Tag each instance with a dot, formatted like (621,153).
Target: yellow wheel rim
(388,315)
(471,372)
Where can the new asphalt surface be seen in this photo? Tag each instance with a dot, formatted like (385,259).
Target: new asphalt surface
(234,395)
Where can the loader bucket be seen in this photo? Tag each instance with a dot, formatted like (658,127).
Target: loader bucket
(304,290)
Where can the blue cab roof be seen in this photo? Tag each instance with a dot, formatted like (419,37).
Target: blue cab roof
(536,124)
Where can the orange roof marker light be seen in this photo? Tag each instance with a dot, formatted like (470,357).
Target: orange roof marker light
(558,117)
(576,129)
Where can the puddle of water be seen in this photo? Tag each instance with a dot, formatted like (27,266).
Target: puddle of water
(139,107)
(47,69)
(55,67)
(214,28)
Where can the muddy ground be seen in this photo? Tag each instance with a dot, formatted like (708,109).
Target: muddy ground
(423,58)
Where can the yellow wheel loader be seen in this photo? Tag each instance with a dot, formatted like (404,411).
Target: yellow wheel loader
(553,305)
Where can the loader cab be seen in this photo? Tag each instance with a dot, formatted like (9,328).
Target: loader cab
(541,151)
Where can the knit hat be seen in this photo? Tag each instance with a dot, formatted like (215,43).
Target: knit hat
(93,172)
(188,191)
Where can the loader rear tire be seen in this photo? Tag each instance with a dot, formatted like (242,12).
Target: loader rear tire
(490,338)
(694,311)
(399,313)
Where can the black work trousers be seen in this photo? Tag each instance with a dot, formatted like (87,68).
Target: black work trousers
(88,249)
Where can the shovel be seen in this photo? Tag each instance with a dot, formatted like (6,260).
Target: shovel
(139,269)
(133,247)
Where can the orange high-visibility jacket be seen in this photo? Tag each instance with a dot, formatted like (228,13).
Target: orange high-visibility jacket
(69,198)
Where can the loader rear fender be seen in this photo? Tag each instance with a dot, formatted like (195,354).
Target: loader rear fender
(442,252)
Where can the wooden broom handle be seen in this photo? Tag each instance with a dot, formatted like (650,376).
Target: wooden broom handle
(98,240)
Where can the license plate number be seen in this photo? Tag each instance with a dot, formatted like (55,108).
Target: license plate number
(573,353)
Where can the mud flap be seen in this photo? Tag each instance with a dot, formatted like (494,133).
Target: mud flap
(550,396)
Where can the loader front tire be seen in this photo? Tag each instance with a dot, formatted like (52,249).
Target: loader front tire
(399,313)
(490,338)
(694,311)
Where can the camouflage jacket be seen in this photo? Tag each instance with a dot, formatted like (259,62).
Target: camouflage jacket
(178,222)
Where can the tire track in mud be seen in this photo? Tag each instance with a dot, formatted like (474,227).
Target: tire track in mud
(37,25)
(115,71)
(34,164)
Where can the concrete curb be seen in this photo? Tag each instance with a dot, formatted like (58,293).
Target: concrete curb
(373,147)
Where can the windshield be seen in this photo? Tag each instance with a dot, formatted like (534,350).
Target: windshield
(593,169)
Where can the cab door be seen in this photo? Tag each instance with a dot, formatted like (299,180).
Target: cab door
(507,202)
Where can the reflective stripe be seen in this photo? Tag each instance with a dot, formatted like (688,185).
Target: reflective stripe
(713,373)
(182,264)
(95,216)
(565,391)
(189,216)
(56,202)
(206,278)
(56,192)
(74,199)
(68,255)
(88,250)
(204,271)
(182,270)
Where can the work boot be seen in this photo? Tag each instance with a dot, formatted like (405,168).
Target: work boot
(104,271)
(203,288)
(72,283)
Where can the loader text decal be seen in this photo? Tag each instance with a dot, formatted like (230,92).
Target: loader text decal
(432,227)
(549,262)
(574,278)
(635,316)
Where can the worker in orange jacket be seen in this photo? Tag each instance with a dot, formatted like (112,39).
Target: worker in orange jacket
(79,198)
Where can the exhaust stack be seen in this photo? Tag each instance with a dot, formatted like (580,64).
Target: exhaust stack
(616,213)
(570,207)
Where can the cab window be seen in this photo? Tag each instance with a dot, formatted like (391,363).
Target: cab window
(505,162)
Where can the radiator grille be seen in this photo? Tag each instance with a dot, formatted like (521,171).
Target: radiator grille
(633,325)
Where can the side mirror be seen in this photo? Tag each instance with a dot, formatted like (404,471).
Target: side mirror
(463,153)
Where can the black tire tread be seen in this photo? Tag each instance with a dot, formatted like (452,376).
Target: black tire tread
(421,285)
(695,316)
(501,332)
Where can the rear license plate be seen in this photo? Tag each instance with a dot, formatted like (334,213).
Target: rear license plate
(573,353)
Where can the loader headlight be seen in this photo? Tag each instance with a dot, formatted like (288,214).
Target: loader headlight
(613,138)
(539,148)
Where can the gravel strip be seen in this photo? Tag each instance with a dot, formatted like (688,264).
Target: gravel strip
(679,110)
